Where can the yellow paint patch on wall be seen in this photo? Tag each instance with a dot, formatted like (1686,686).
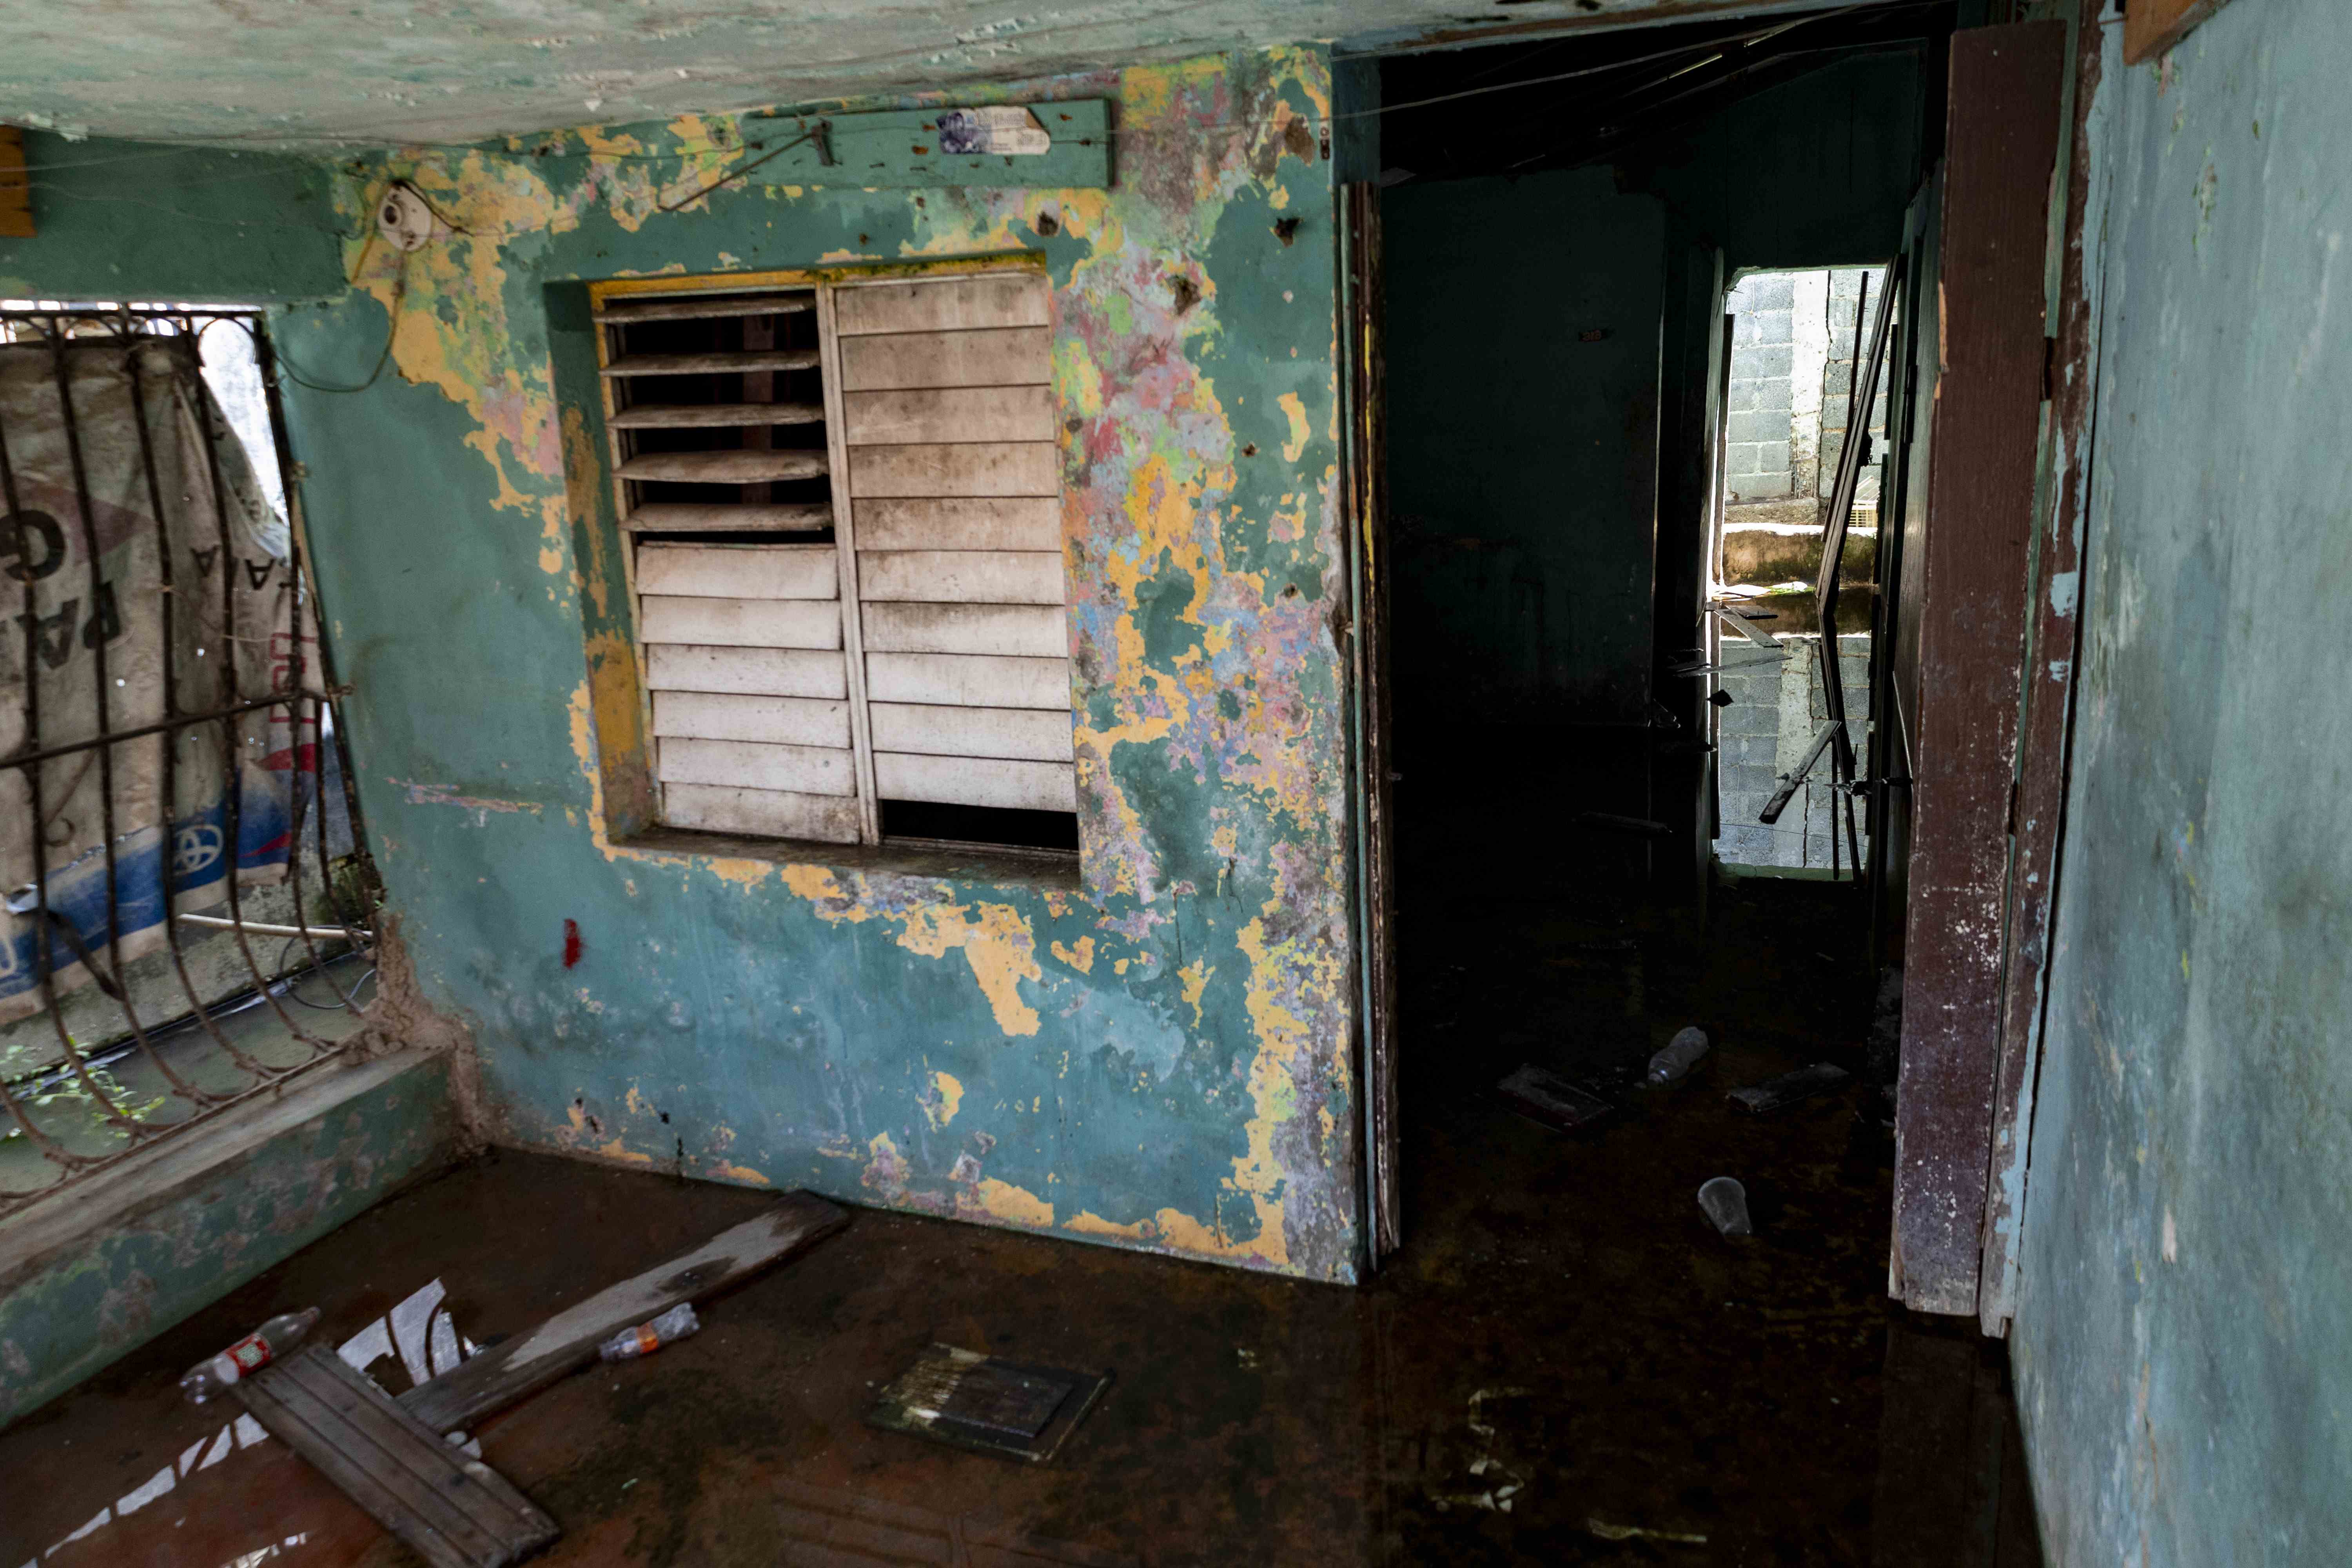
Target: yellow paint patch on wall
(1015,1206)
(1193,979)
(1088,1223)
(1080,956)
(998,946)
(614,1150)
(1296,412)
(946,1093)
(740,1173)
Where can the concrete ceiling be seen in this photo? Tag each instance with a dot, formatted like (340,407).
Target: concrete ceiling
(298,72)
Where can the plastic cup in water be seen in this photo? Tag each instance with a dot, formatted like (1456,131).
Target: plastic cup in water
(1726,1203)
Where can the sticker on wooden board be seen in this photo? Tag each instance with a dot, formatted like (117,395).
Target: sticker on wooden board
(1007,129)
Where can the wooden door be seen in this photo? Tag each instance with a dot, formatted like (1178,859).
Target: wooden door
(2003,142)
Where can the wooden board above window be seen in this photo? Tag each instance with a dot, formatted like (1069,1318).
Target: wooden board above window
(2152,27)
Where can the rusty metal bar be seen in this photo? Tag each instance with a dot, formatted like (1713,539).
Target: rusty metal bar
(233,828)
(105,620)
(131,328)
(170,737)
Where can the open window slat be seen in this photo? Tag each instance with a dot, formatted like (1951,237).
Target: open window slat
(746,467)
(699,517)
(730,363)
(706,308)
(706,416)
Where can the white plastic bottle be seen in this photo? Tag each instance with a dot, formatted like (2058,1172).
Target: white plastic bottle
(267,1343)
(647,1338)
(1682,1054)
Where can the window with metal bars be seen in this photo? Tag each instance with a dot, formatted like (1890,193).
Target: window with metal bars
(842,498)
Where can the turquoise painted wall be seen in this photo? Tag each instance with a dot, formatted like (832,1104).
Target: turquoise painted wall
(2184,1306)
(1161,1058)
(340,1140)
(131,220)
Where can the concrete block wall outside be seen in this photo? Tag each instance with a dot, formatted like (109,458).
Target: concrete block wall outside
(89,1276)
(1155,1057)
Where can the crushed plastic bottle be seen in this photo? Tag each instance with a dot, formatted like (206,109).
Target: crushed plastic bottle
(1682,1054)
(647,1338)
(267,1343)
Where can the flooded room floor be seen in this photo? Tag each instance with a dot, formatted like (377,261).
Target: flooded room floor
(1566,1364)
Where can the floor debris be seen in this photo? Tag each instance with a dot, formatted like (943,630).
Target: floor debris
(518,1367)
(1726,1203)
(1548,1098)
(1608,1532)
(452,1511)
(993,1406)
(1790,1088)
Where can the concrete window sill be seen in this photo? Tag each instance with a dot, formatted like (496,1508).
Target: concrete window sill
(1052,870)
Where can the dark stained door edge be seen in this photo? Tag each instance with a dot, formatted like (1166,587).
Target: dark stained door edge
(2048,687)
(2002,142)
(1366,459)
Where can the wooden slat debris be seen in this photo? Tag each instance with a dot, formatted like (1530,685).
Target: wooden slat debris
(451,1508)
(520,1366)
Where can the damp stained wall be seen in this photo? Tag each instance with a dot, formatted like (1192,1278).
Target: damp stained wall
(2186,1296)
(1158,1056)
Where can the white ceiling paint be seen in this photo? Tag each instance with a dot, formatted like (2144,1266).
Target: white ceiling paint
(319,71)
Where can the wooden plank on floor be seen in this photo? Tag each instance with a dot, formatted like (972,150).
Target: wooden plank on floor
(1005,356)
(740,715)
(760,813)
(1035,631)
(528,1362)
(968,680)
(752,764)
(948,413)
(739,571)
(961,576)
(976,781)
(451,1508)
(977,469)
(739,623)
(1031,734)
(960,522)
(944,304)
(760,671)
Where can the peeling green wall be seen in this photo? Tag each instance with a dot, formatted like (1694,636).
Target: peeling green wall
(1163,1060)
(131,220)
(2185,1305)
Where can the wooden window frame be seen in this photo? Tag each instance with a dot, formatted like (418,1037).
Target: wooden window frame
(828,284)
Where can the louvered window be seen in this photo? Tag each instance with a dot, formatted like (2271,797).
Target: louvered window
(844,503)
